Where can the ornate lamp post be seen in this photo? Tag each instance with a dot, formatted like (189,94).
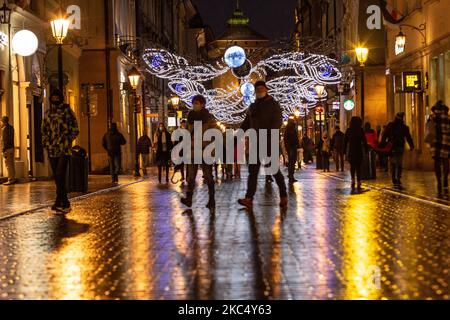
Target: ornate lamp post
(5,14)
(60,28)
(320,90)
(134,76)
(362,54)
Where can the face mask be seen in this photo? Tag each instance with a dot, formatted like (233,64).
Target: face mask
(261,95)
(197,107)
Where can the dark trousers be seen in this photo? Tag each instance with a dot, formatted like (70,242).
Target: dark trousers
(59,167)
(167,168)
(253,181)
(356,172)
(115,163)
(207,174)
(325,161)
(339,160)
(293,157)
(396,166)
(441,169)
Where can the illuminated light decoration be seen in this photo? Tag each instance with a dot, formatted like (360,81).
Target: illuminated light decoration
(25,43)
(235,57)
(248,89)
(243,71)
(229,105)
(349,105)
(166,65)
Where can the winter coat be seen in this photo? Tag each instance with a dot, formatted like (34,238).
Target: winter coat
(397,133)
(144,145)
(208,122)
(112,142)
(337,142)
(265,113)
(291,140)
(59,130)
(440,146)
(8,137)
(163,156)
(355,142)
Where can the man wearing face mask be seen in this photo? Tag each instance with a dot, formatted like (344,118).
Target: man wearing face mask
(266,114)
(59,130)
(200,114)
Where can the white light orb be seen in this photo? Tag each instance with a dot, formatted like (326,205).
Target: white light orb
(248,89)
(25,43)
(235,57)
(349,105)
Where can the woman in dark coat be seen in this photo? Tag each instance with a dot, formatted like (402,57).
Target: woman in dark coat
(163,145)
(355,142)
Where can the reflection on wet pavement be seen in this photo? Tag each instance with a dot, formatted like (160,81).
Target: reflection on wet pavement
(140,243)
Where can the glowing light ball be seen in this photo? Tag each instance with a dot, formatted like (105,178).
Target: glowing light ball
(349,105)
(248,89)
(235,57)
(25,43)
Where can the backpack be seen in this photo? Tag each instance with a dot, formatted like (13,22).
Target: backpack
(430,132)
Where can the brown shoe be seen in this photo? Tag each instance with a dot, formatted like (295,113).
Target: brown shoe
(248,203)
(284,202)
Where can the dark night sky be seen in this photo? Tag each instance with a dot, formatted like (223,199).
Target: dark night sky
(272,18)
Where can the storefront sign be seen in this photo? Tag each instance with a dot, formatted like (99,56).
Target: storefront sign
(336,105)
(172,122)
(411,81)
(349,105)
(3,40)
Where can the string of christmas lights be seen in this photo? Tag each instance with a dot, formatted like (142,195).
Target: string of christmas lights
(229,104)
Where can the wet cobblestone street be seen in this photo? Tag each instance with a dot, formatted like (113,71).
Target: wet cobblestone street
(140,243)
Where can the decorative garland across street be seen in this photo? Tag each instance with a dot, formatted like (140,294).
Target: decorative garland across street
(294,91)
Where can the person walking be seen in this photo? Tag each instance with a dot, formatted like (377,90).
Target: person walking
(355,142)
(200,114)
(143,149)
(8,150)
(59,130)
(324,148)
(112,142)
(308,146)
(438,137)
(291,144)
(337,146)
(397,133)
(264,114)
(162,143)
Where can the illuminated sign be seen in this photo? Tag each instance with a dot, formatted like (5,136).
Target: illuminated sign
(336,105)
(349,105)
(172,122)
(412,81)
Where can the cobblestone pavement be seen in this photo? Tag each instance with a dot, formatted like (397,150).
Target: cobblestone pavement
(140,243)
(23,197)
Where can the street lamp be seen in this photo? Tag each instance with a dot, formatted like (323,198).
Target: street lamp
(5,14)
(320,90)
(362,54)
(60,28)
(134,76)
(400,43)
(175,101)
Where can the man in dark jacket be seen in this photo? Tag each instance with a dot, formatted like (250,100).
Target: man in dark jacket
(264,114)
(113,141)
(397,133)
(199,114)
(8,150)
(292,144)
(337,146)
(143,149)
(59,130)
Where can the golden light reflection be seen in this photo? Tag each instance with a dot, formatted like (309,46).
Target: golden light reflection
(275,259)
(360,267)
(139,240)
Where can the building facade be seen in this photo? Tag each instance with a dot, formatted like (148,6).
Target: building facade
(426,56)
